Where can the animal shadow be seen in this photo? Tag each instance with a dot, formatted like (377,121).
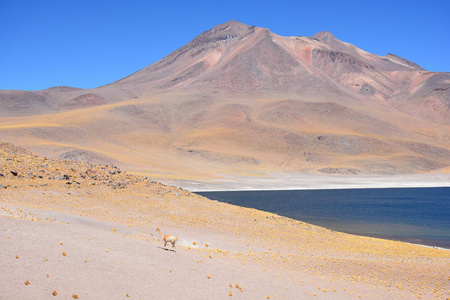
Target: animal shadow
(167,249)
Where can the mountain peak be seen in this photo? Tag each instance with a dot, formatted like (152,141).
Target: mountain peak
(238,97)
(232,23)
(233,27)
(324,36)
(222,32)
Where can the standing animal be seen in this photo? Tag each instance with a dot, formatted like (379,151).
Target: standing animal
(168,238)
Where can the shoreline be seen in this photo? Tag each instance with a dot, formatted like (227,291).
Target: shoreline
(312,182)
(386,238)
(433,242)
(382,237)
(312,189)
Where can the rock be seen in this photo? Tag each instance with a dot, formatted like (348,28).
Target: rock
(340,171)
(3,186)
(367,90)
(14,173)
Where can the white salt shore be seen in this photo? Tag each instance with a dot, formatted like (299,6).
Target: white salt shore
(313,182)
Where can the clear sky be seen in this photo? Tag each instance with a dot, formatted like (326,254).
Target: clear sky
(85,44)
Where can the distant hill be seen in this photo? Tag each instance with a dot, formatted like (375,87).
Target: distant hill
(241,100)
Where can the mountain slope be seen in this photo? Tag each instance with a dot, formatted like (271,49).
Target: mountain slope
(240,99)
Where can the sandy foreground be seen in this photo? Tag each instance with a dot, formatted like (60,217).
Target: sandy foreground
(81,231)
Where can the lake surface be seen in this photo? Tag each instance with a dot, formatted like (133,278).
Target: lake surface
(415,215)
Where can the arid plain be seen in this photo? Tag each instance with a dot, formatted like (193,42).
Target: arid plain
(76,230)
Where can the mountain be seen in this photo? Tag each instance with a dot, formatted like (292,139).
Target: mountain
(241,100)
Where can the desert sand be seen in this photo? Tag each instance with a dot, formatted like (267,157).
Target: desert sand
(81,231)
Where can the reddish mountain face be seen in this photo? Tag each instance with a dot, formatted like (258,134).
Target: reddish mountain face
(240,97)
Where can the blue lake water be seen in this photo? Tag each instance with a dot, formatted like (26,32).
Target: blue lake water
(415,215)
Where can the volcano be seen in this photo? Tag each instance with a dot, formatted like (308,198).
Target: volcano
(241,100)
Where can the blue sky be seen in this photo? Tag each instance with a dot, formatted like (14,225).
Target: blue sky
(86,44)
